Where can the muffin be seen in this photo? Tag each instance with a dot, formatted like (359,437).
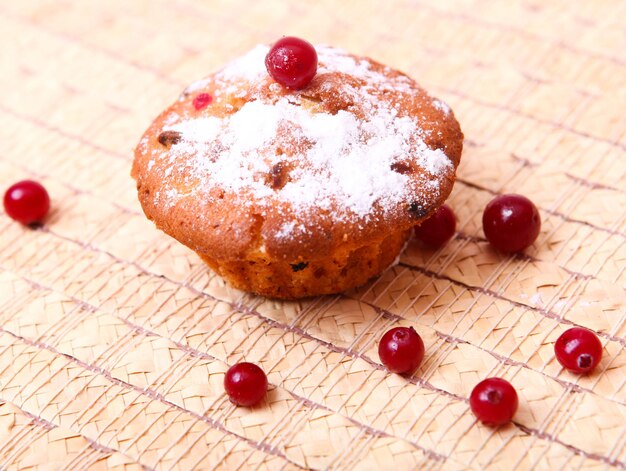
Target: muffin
(294,193)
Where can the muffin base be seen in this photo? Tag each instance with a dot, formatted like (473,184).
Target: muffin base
(347,267)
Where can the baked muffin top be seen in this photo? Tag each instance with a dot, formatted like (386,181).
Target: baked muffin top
(361,151)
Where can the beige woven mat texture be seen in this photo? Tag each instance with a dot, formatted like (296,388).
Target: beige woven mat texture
(114,339)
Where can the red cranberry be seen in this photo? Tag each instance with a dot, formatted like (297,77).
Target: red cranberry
(245,384)
(401,350)
(511,222)
(578,350)
(494,401)
(27,202)
(202,100)
(437,229)
(292,62)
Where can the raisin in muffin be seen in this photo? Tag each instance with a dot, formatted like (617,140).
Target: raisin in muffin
(289,193)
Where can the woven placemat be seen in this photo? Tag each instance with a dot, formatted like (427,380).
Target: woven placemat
(114,339)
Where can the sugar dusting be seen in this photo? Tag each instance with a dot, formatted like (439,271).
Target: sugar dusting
(344,165)
(441,106)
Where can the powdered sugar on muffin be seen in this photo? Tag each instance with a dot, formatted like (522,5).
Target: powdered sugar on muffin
(292,193)
(347,164)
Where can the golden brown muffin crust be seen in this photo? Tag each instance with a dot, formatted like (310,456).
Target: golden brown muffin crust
(276,203)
